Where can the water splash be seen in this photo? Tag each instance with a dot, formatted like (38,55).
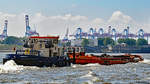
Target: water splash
(90,74)
(91,65)
(73,65)
(90,77)
(10,67)
(147,61)
(86,65)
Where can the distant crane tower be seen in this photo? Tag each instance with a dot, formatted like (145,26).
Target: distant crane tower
(29,32)
(5,28)
(66,35)
(4,33)
(27,25)
(109,30)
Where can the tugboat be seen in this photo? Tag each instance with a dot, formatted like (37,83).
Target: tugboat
(44,51)
(40,51)
(78,56)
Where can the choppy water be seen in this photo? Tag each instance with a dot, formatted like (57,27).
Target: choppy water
(131,73)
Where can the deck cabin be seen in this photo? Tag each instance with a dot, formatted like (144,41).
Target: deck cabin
(48,46)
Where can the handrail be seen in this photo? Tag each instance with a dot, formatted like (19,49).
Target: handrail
(30,51)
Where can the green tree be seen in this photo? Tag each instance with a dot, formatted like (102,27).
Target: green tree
(130,42)
(13,40)
(141,42)
(121,40)
(100,41)
(85,42)
(108,41)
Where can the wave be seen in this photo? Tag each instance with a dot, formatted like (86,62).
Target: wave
(147,61)
(90,74)
(11,66)
(90,77)
(92,64)
(85,65)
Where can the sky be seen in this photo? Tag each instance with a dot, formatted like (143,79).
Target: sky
(53,17)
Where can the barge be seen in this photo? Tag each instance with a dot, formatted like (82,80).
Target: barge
(78,56)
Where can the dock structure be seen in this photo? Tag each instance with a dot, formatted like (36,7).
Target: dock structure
(111,33)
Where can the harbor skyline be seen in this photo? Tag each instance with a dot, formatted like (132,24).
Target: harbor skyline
(54,17)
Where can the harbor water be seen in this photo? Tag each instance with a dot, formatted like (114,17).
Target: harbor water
(130,73)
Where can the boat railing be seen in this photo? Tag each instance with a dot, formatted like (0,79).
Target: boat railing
(28,52)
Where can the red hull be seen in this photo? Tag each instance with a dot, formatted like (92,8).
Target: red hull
(81,58)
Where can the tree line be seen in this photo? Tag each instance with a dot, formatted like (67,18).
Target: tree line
(110,41)
(12,40)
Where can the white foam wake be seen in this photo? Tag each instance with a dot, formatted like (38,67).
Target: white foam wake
(147,61)
(90,74)
(92,64)
(73,65)
(11,66)
(90,77)
(86,65)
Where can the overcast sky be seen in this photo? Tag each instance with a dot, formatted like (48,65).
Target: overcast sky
(53,17)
